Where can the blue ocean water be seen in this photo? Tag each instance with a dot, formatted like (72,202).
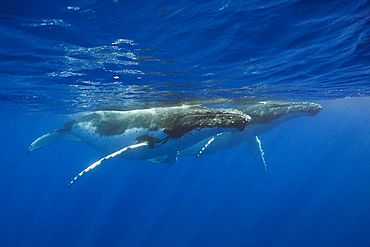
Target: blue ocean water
(65,57)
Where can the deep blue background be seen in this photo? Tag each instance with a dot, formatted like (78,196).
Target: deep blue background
(60,57)
(315,193)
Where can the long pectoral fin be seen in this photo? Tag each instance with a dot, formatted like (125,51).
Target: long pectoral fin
(212,140)
(254,145)
(46,140)
(108,157)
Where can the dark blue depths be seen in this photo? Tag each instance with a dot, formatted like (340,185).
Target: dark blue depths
(56,59)
(316,190)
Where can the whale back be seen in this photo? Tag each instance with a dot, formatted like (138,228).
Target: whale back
(174,121)
(265,112)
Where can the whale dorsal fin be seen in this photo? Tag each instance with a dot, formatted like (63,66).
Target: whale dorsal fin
(254,145)
(108,157)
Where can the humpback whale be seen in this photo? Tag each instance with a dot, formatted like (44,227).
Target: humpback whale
(145,134)
(265,115)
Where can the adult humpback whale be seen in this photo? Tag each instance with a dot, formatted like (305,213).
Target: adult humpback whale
(145,134)
(266,115)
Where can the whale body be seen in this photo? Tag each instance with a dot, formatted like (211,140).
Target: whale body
(145,134)
(163,135)
(266,115)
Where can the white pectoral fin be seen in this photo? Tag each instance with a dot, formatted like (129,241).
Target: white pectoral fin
(212,140)
(108,157)
(46,140)
(254,145)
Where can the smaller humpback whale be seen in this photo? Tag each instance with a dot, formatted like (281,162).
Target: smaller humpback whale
(145,134)
(266,115)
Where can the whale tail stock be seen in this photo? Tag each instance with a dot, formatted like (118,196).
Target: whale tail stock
(51,138)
